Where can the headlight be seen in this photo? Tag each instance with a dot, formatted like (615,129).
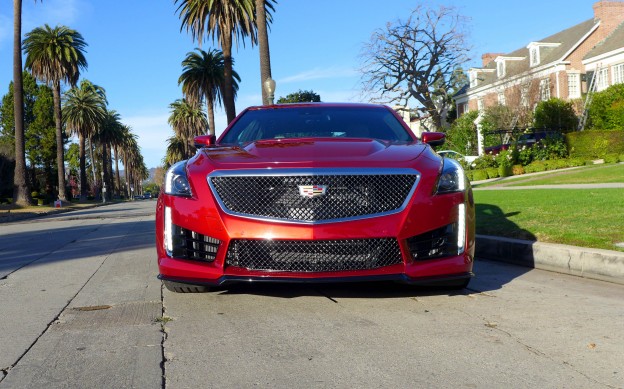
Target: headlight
(176,182)
(451,177)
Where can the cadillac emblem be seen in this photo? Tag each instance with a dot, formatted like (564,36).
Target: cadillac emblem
(311,191)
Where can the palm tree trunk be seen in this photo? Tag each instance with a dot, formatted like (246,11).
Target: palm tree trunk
(21,191)
(118,184)
(211,118)
(83,168)
(228,84)
(91,147)
(263,46)
(60,148)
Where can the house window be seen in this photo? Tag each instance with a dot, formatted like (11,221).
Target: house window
(473,79)
(545,89)
(500,69)
(535,57)
(574,86)
(602,81)
(480,104)
(501,98)
(524,96)
(618,73)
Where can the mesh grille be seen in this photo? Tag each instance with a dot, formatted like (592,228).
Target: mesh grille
(313,256)
(346,196)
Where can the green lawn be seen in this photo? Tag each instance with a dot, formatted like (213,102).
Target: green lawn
(596,174)
(579,217)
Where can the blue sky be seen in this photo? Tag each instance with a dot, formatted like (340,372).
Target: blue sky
(135,47)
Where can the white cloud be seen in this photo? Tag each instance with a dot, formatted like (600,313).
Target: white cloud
(320,73)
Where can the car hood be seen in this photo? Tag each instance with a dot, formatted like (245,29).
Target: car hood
(313,152)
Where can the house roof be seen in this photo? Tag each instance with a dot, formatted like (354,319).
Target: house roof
(611,43)
(566,39)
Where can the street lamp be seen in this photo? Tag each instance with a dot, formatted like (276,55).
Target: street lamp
(269,87)
(103,188)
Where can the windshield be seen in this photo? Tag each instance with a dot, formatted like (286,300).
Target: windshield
(317,122)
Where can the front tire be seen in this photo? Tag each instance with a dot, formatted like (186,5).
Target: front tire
(179,287)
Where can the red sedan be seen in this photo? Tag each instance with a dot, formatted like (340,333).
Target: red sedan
(315,193)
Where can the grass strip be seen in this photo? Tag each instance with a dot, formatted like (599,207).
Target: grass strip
(580,217)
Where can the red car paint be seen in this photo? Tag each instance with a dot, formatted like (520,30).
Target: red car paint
(424,211)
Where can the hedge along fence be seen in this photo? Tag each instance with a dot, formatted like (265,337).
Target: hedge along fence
(595,143)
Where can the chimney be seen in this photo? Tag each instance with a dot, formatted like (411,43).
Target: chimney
(489,57)
(610,14)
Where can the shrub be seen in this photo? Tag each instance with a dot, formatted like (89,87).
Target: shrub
(555,113)
(485,161)
(462,136)
(517,170)
(606,111)
(492,172)
(576,162)
(535,167)
(505,162)
(469,174)
(621,157)
(595,144)
(34,194)
(479,175)
(611,158)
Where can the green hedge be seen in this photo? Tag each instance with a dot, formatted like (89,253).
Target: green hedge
(595,144)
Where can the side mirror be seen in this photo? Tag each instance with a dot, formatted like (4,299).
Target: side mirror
(205,141)
(433,138)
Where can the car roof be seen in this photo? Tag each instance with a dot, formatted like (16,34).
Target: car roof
(328,105)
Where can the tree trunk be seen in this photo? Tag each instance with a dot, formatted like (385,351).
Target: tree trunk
(118,184)
(83,168)
(211,118)
(60,148)
(263,46)
(21,191)
(91,152)
(228,83)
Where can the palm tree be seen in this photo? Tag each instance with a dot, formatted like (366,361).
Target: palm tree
(109,132)
(21,193)
(187,121)
(56,55)
(127,152)
(263,18)
(225,21)
(202,78)
(119,142)
(92,88)
(175,151)
(83,110)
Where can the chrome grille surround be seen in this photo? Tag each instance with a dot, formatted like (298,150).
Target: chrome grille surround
(351,194)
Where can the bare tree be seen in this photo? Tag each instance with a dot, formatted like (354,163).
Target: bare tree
(416,59)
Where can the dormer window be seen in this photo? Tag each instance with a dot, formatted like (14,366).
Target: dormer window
(500,68)
(535,52)
(535,57)
(474,81)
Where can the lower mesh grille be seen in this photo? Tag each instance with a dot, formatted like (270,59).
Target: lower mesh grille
(189,244)
(441,242)
(313,256)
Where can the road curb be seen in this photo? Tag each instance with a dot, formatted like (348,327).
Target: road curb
(605,265)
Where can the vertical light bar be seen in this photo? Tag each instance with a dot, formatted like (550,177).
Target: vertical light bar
(168,231)
(461,228)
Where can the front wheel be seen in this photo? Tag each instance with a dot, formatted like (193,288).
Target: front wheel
(179,287)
